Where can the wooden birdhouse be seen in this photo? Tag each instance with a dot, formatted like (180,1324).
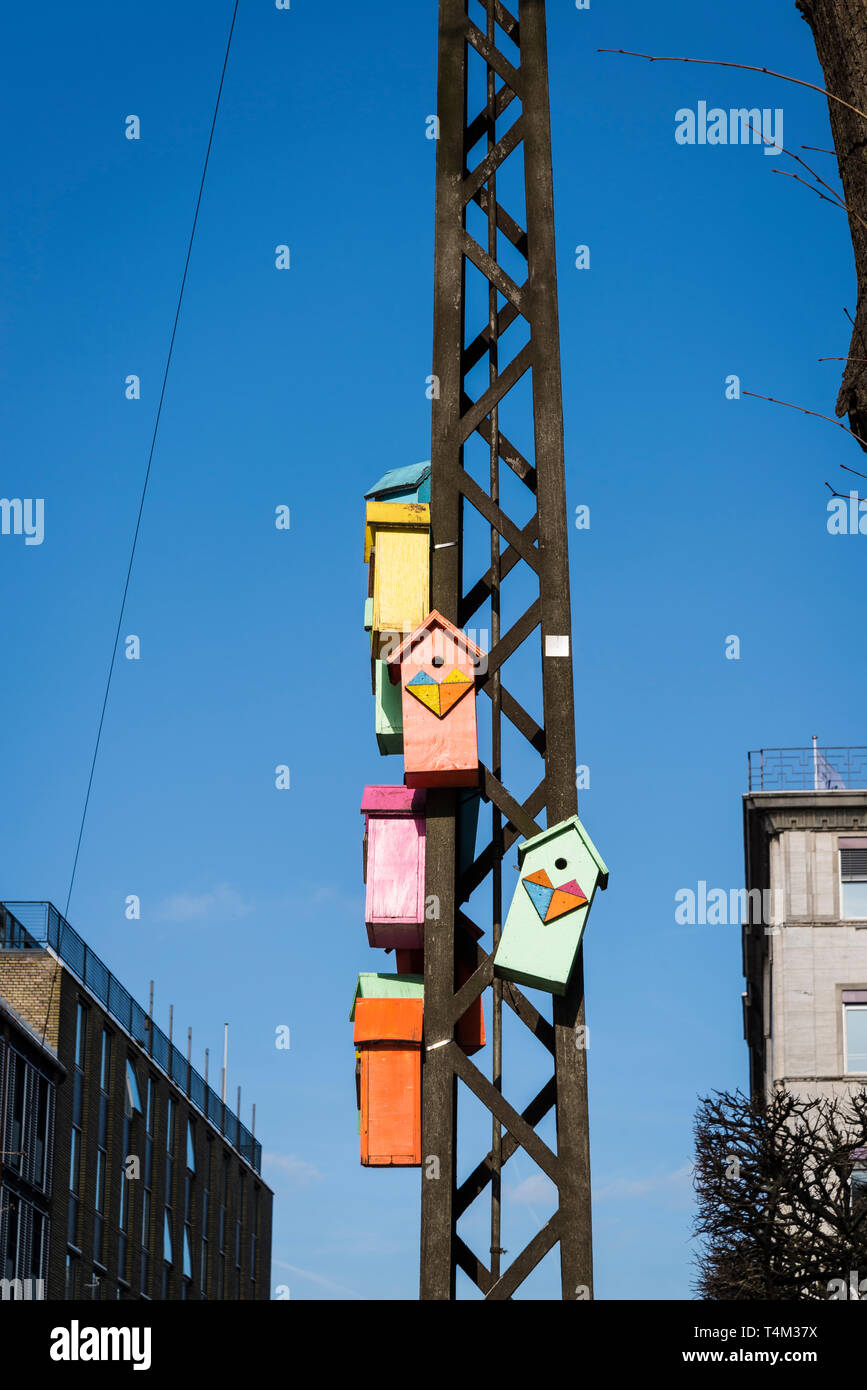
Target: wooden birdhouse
(436,666)
(394,866)
(388,1015)
(387,698)
(389,711)
(560,872)
(411,484)
(397,547)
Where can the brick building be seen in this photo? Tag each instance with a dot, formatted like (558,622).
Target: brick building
(155,1185)
(29,1074)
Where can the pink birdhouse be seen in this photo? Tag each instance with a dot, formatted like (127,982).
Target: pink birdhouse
(436,666)
(394,866)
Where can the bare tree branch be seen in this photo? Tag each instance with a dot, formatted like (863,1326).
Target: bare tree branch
(818,414)
(747,67)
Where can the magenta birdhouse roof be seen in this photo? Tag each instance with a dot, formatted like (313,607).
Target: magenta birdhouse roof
(434,619)
(393,801)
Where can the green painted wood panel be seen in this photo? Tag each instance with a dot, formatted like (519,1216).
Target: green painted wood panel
(389,711)
(372,985)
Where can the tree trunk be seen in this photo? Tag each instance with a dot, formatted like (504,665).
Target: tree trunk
(840,33)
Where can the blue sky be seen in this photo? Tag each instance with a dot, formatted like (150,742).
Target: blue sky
(301,387)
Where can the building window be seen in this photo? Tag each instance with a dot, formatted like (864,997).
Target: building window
(102,1148)
(74,1180)
(147,1176)
(133,1099)
(40,1145)
(254,1232)
(853,879)
(132,1103)
(221,1230)
(858,1180)
(189,1186)
(105,1061)
(38,1242)
(855,1030)
(239,1215)
(191,1147)
(10,1251)
(99,1205)
(77,1122)
(168,1255)
(15,1157)
(203,1269)
(71,1276)
(80,1036)
(170,1149)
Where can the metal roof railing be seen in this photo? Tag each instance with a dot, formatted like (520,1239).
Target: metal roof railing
(30,926)
(807,769)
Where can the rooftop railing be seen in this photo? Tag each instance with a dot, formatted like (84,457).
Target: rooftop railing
(31,926)
(807,769)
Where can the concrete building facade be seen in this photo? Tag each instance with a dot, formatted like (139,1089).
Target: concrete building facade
(805,945)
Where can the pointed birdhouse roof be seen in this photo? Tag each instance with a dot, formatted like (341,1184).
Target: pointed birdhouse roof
(554,832)
(434,620)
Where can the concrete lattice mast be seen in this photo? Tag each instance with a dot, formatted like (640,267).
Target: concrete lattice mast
(496,303)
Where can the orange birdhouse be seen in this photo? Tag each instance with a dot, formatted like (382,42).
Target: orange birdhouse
(436,666)
(388,1038)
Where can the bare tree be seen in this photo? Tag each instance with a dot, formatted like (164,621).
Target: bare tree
(779,1216)
(840,33)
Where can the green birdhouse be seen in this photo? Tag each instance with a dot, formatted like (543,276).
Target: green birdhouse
(560,872)
(388,697)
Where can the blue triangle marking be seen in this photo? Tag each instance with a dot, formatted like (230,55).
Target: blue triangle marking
(540,896)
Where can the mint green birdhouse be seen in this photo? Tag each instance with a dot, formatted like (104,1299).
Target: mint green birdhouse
(388,697)
(389,711)
(560,872)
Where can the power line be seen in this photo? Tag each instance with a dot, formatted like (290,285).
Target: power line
(142,500)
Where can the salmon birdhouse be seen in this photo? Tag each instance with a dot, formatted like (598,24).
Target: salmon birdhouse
(394,866)
(436,666)
(560,872)
(388,1015)
(397,548)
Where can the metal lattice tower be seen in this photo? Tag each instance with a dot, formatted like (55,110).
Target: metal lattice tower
(495,303)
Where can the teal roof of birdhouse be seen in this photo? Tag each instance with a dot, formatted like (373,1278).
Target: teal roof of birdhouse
(373,986)
(553,833)
(413,480)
